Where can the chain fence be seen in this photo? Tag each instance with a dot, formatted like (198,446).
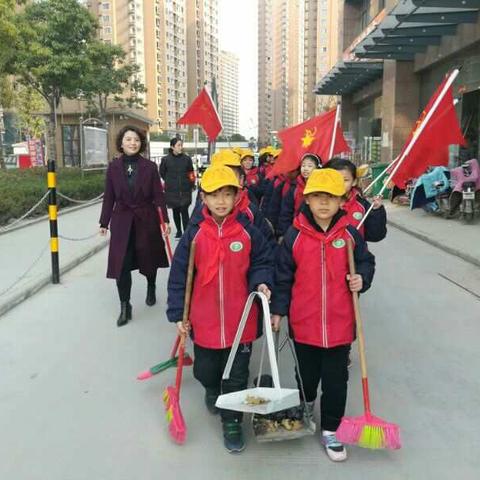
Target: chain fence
(37,259)
(12,225)
(84,202)
(79,239)
(26,272)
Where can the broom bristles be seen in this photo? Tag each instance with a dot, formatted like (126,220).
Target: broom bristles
(176,423)
(368,431)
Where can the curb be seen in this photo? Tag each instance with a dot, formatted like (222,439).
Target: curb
(452,251)
(45,217)
(46,279)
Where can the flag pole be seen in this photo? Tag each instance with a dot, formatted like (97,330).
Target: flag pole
(413,140)
(332,143)
(379,176)
(390,165)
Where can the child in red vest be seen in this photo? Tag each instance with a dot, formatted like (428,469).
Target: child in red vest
(313,287)
(232,259)
(374,228)
(293,200)
(252,176)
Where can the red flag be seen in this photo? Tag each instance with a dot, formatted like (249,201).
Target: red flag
(202,111)
(431,145)
(313,136)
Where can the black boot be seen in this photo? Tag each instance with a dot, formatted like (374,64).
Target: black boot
(125,313)
(151,298)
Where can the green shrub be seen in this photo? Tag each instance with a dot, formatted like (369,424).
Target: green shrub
(21,189)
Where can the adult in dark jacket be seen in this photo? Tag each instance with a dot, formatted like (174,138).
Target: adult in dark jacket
(176,170)
(132,202)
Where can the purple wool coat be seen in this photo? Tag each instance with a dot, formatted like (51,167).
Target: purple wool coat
(122,208)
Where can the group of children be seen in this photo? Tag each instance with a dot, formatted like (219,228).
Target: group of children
(287,237)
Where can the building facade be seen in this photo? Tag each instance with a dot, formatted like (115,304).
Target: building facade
(166,68)
(202,45)
(175,45)
(395,54)
(280,65)
(122,23)
(228,93)
(321,50)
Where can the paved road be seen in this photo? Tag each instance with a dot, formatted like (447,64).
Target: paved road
(71,409)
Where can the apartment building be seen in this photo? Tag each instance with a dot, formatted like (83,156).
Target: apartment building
(280,65)
(228,92)
(202,45)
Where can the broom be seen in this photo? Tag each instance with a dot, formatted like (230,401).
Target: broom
(171,396)
(366,430)
(171,362)
(163,228)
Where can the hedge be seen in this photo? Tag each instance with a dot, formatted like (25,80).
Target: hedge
(22,189)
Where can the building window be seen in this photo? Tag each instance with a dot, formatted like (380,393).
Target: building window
(71,145)
(107,30)
(365,14)
(106,6)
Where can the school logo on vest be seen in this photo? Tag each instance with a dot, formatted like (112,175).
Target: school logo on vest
(236,246)
(339,243)
(357,215)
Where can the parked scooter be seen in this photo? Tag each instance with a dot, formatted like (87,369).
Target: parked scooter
(465,190)
(432,191)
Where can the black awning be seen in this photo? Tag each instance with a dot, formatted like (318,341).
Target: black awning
(348,77)
(413,25)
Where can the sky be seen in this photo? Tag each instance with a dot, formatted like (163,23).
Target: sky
(237,26)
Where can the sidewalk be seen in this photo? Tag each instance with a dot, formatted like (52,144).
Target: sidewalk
(28,248)
(452,236)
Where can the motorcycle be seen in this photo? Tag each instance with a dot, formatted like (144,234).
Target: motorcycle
(465,190)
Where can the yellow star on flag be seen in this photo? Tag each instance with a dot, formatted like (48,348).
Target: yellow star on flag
(309,137)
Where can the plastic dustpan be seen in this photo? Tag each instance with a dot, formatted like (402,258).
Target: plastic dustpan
(262,400)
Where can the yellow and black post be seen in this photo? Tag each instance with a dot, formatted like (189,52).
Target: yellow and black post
(52,215)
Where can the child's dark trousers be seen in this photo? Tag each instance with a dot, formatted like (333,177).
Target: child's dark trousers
(208,370)
(328,365)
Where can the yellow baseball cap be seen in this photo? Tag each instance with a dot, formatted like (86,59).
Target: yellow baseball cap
(218,176)
(325,180)
(226,157)
(362,170)
(237,150)
(269,150)
(246,152)
(276,152)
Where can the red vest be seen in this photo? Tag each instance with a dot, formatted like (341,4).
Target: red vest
(298,194)
(220,288)
(355,210)
(251,177)
(321,308)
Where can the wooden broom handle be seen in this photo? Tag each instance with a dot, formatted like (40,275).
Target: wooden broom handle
(358,321)
(186,312)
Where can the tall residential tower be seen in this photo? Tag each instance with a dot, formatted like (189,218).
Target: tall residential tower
(228,92)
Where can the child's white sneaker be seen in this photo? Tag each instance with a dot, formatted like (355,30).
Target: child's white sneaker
(336,451)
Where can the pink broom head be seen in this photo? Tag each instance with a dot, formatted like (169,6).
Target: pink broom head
(368,431)
(176,423)
(145,375)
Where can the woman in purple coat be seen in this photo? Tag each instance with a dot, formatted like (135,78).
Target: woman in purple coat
(132,202)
